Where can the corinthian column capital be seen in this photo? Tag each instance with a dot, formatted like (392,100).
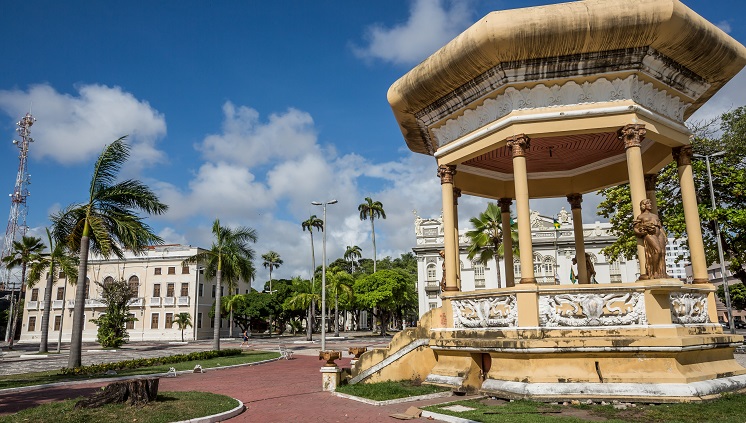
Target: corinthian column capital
(682,155)
(456,195)
(519,144)
(632,135)
(504,204)
(445,173)
(574,200)
(651,180)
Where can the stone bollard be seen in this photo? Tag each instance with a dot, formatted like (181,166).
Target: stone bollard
(331,374)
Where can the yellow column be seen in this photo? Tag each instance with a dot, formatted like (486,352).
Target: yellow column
(651,180)
(577,226)
(446,172)
(632,136)
(683,157)
(456,195)
(507,240)
(519,144)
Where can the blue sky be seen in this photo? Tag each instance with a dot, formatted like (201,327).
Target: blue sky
(244,110)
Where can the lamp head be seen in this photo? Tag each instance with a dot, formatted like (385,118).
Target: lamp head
(332,202)
(315,203)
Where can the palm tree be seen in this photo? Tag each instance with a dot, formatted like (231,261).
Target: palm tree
(233,270)
(486,238)
(352,255)
(183,320)
(106,224)
(339,280)
(58,256)
(272,261)
(304,294)
(372,210)
(312,223)
(22,254)
(231,301)
(230,250)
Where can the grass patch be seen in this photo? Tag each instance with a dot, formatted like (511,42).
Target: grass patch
(169,407)
(383,391)
(53,376)
(727,409)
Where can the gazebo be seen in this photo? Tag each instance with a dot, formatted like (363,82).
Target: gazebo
(560,101)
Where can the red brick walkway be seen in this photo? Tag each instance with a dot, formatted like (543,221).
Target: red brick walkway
(280,391)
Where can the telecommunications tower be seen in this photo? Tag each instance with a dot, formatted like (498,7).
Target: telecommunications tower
(18,208)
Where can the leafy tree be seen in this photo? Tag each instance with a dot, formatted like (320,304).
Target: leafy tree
(309,225)
(23,253)
(183,320)
(272,260)
(372,210)
(251,308)
(737,295)
(384,292)
(231,252)
(352,255)
(47,263)
(729,183)
(107,223)
(112,326)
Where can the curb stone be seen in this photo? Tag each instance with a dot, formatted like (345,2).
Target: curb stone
(394,401)
(225,415)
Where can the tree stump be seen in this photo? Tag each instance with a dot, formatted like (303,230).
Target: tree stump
(135,392)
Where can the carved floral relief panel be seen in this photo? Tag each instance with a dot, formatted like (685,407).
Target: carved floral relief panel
(687,308)
(498,311)
(592,309)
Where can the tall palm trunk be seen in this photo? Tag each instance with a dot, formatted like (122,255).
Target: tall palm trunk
(76,339)
(43,344)
(373,235)
(230,324)
(270,294)
(497,264)
(216,329)
(312,306)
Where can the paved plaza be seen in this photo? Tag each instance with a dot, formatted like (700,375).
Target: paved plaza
(283,390)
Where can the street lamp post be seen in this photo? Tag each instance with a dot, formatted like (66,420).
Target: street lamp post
(323,274)
(721,257)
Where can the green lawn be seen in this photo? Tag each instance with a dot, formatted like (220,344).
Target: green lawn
(170,407)
(53,376)
(383,391)
(730,408)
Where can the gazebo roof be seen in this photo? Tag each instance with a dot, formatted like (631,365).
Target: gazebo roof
(662,43)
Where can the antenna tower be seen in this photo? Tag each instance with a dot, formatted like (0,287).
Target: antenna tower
(18,209)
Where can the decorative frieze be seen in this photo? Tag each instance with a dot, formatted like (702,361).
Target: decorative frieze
(489,312)
(592,309)
(688,308)
(571,93)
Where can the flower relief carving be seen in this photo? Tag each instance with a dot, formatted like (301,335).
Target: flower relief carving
(500,311)
(570,93)
(594,309)
(687,308)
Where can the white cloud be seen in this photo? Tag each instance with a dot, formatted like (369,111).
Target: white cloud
(247,140)
(71,129)
(725,26)
(430,26)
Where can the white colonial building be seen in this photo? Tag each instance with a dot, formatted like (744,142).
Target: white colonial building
(553,247)
(164,289)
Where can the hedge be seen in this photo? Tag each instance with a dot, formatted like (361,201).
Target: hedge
(147,362)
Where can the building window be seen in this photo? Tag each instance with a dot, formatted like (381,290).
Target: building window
(537,264)
(35,294)
(57,322)
(131,322)
(170,290)
(154,321)
(236,291)
(31,323)
(199,320)
(108,280)
(61,275)
(431,274)
(184,289)
(157,271)
(615,272)
(156,290)
(60,293)
(213,291)
(478,274)
(169,320)
(134,284)
(516,267)
(222,291)
(171,270)
(212,323)
(548,266)
(184,270)
(87,287)
(201,289)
